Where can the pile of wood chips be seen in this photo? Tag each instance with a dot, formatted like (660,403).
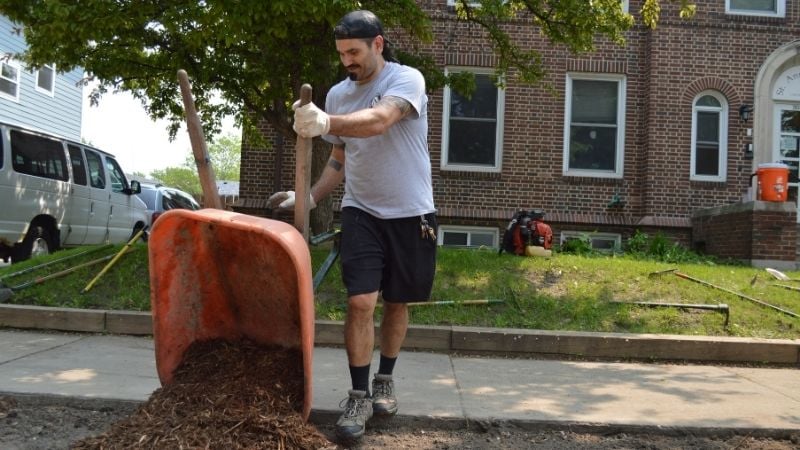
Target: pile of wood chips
(224,396)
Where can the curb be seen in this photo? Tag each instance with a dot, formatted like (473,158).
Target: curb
(456,339)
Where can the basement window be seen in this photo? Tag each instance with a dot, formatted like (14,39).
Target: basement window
(461,236)
(602,242)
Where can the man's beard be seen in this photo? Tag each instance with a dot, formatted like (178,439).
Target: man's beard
(352,72)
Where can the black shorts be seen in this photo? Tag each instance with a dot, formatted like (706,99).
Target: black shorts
(389,256)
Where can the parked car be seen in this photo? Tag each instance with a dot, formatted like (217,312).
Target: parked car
(56,193)
(160,198)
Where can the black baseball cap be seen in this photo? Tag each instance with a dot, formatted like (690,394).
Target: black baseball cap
(362,24)
(357,25)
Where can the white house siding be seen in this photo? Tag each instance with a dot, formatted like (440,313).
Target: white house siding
(59,114)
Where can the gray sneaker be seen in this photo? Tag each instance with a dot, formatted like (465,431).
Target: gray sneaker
(357,410)
(384,403)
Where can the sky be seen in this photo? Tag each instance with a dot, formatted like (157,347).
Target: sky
(120,126)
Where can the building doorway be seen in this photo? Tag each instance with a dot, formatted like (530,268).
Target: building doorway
(776,124)
(786,124)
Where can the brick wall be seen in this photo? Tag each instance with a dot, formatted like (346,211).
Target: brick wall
(665,69)
(760,233)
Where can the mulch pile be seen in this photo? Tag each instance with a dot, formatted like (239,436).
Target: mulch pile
(224,396)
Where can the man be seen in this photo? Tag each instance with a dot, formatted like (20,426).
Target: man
(377,122)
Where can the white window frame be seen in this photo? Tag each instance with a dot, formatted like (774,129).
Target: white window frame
(722,168)
(17,67)
(472,4)
(52,91)
(475,4)
(468,230)
(498,150)
(780,10)
(620,150)
(593,235)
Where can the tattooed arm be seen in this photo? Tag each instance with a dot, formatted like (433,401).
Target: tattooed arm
(371,121)
(332,175)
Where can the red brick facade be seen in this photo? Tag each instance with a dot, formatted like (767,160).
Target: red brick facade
(664,71)
(761,233)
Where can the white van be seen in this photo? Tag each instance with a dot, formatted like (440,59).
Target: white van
(57,193)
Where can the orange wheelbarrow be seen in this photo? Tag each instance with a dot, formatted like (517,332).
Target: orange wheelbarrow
(219,274)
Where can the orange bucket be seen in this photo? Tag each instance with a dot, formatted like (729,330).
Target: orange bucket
(773,182)
(220,274)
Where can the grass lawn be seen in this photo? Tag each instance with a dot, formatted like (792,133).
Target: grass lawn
(564,292)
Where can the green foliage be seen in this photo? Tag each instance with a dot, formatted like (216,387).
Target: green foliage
(226,157)
(183,178)
(225,154)
(660,248)
(581,245)
(254,55)
(576,24)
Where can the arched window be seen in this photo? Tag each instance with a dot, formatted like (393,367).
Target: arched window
(709,137)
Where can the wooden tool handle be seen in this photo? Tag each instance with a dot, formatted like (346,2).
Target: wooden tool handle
(302,181)
(305,94)
(204,170)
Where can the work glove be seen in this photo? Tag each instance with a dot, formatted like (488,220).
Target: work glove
(310,121)
(285,200)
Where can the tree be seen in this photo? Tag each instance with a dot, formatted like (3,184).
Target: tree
(136,175)
(575,24)
(226,156)
(183,178)
(256,54)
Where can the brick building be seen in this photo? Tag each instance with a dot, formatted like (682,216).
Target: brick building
(625,138)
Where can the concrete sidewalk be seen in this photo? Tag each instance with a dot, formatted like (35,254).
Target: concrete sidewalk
(435,386)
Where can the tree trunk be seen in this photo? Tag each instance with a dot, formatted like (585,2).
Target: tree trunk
(321,216)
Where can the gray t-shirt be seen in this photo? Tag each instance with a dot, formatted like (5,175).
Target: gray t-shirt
(388,176)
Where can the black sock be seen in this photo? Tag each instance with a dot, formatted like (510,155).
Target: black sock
(360,378)
(387,365)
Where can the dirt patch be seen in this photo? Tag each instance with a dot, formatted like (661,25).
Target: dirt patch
(47,422)
(51,422)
